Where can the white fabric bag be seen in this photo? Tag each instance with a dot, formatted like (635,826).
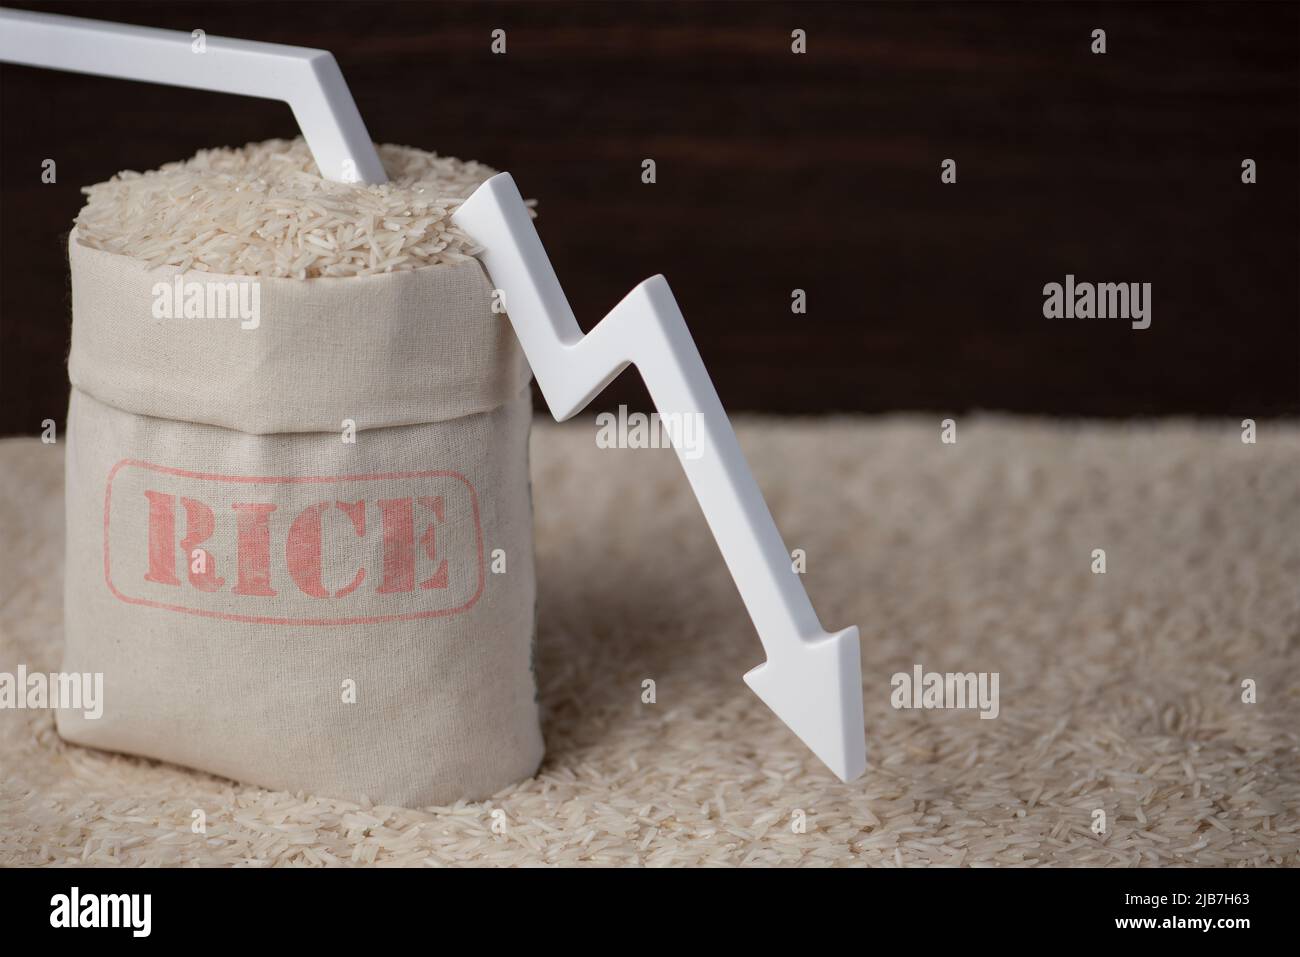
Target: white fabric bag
(270,602)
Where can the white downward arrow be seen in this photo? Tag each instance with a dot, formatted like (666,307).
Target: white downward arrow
(812,679)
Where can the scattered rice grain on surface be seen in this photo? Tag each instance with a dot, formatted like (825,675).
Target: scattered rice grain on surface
(1119,692)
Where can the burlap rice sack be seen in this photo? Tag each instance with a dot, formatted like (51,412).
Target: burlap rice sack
(266,600)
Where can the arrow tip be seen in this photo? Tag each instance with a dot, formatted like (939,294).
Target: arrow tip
(817,691)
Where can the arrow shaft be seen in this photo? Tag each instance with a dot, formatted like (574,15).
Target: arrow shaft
(645,329)
(309,80)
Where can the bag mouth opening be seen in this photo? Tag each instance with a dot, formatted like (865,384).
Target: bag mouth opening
(264,210)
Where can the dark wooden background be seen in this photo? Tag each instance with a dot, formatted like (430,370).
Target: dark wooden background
(778,171)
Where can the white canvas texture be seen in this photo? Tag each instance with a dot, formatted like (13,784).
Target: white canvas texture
(270,603)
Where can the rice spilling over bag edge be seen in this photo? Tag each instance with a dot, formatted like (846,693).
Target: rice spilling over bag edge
(264,210)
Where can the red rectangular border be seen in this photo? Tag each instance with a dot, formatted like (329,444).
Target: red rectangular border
(292,480)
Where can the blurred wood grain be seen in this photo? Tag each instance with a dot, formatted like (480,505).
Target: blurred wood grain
(778,171)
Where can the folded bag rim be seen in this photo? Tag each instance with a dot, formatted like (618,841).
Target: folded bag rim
(400,348)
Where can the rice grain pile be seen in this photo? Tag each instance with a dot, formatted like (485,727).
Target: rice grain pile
(1119,692)
(264,210)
